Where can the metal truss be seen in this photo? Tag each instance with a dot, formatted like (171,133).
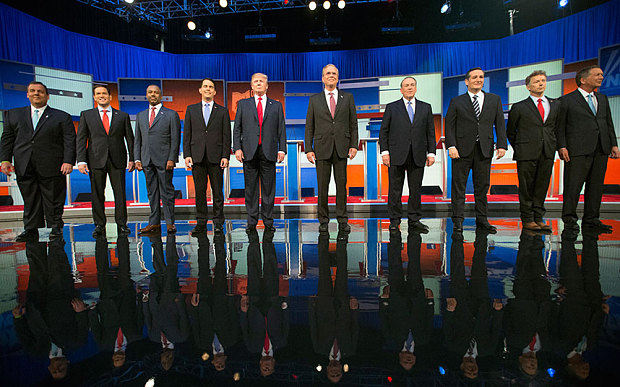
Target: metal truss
(158,12)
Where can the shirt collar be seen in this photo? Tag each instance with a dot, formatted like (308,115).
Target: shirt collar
(41,109)
(406,101)
(335,91)
(264,98)
(535,99)
(210,103)
(157,107)
(584,93)
(480,94)
(109,109)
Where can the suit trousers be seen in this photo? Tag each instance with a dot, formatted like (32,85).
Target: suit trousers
(159,187)
(97,185)
(415,175)
(259,168)
(481,174)
(534,178)
(44,198)
(323,174)
(589,169)
(203,172)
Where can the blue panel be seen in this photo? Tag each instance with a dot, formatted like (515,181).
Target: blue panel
(12,77)
(293,179)
(236,178)
(80,183)
(179,180)
(372,228)
(308,179)
(374,126)
(295,132)
(609,60)
(303,87)
(366,96)
(371,168)
(296,107)
(136,86)
(279,180)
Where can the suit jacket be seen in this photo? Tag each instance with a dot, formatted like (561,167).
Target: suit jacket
(462,127)
(324,133)
(579,129)
(398,134)
(160,142)
(196,135)
(247,130)
(51,145)
(94,145)
(529,136)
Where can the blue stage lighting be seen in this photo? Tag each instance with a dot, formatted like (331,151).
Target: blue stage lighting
(442,371)
(563,3)
(551,372)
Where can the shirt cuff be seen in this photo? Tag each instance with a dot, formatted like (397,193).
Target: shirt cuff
(282,152)
(430,154)
(385,153)
(451,147)
(82,163)
(137,161)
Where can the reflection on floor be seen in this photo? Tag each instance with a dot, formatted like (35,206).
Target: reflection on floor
(304,308)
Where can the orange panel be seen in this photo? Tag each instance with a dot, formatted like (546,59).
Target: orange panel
(185,92)
(240,90)
(4,191)
(355,176)
(613,172)
(570,85)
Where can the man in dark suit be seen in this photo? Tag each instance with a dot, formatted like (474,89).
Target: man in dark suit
(207,123)
(42,141)
(586,138)
(158,132)
(407,141)
(531,131)
(259,141)
(102,134)
(469,138)
(331,137)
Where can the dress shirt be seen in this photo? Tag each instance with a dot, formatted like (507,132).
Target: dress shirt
(41,110)
(406,102)
(585,95)
(263,102)
(480,95)
(545,103)
(109,113)
(335,92)
(334,356)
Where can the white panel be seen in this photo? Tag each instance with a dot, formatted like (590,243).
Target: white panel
(518,93)
(429,90)
(614,105)
(72,91)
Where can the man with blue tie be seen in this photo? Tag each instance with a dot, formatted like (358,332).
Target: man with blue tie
(586,139)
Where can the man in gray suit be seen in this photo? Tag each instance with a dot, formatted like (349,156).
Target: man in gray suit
(259,140)
(331,137)
(158,132)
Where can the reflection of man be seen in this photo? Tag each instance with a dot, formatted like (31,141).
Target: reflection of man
(331,137)
(586,138)
(469,138)
(101,137)
(259,141)
(41,139)
(531,131)
(158,132)
(334,326)
(206,147)
(407,140)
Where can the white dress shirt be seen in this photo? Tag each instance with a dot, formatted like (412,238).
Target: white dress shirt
(109,113)
(327,96)
(585,95)
(480,95)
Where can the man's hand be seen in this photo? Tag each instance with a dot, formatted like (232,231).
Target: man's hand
(131,166)
(66,168)
(223,163)
(239,155)
(563,152)
(195,299)
(280,157)
(497,304)
(352,153)
(189,162)
(500,153)
(311,157)
(245,303)
(19,311)
(615,152)
(139,165)
(451,304)
(386,160)
(353,303)
(453,153)
(7,168)
(169,165)
(430,160)
(78,305)
(83,168)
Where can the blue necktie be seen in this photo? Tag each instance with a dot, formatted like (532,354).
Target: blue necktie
(206,114)
(591,103)
(35,119)
(409,342)
(410,111)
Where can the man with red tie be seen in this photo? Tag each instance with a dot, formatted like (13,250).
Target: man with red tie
(259,141)
(104,139)
(531,131)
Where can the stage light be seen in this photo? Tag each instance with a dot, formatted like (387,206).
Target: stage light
(191,25)
(319,368)
(208,34)
(236,376)
(446,7)
(151,381)
(563,3)
(389,378)
(223,3)
(550,372)
(341,4)
(326,4)
(345,368)
(442,371)
(312,5)
(285,2)
(129,1)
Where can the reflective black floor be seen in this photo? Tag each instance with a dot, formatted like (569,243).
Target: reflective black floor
(304,308)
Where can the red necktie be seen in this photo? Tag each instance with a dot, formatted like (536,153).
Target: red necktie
(266,345)
(533,342)
(164,340)
(541,109)
(336,349)
(332,104)
(152,118)
(119,339)
(259,111)
(106,121)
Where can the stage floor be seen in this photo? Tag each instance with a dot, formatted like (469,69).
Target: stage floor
(368,286)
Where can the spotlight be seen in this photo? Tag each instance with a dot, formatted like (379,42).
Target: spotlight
(319,368)
(345,368)
(326,4)
(312,5)
(236,376)
(208,34)
(442,371)
(550,372)
(446,7)
(151,381)
(341,4)
(285,2)
(223,3)
(129,1)
(563,3)
(191,25)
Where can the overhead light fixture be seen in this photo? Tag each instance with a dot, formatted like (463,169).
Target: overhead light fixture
(446,7)
(393,30)
(563,3)
(129,1)
(312,5)
(260,34)
(208,34)
(223,3)
(341,4)
(191,25)
(326,4)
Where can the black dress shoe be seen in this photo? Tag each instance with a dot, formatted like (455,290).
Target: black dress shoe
(270,228)
(596,228)
(573,226)
(200,229)
(598,224)
(123,229)
(98,231)
(486,227)
(28,235)
(324,227)
(457,225)
(218,227)
(250,228)
(344,227)
(268,235)
(418,226)
(394,228)
(56,232)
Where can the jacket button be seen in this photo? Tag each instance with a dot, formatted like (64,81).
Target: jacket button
(32,142)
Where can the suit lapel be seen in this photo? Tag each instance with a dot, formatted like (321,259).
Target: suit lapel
(324,103)
(530,104)
(598,103)
(99,122)
(553,108)
(401,107)
(469,105)
(415,113)
(158,116)
(485,106)
(339,103)
(268,106)
(44,116)
(28,117)
(581,100)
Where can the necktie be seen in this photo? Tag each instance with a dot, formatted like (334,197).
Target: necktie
(217,346)
(332,104)
(476,106)
(206,114)
(35,119)
(336,349)
(106,121)
(152,118)
(533,342)
(591,104)
(266,344)
(410,342)
(541,109)
(259,111)
(410,111)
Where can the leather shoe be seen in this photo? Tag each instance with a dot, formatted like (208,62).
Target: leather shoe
(418,226)
(151,228)
(598,224)
(269,234)
(171,229)
(457,225)
(531,226)
(324,227)
(218,227)
(98,231)
(200,229)
(28,235)
(344,227)
(394,228)
(250,228)
(487,227)
(573,226)
(56,232)
(270,228)
(123,229)
(544,226)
